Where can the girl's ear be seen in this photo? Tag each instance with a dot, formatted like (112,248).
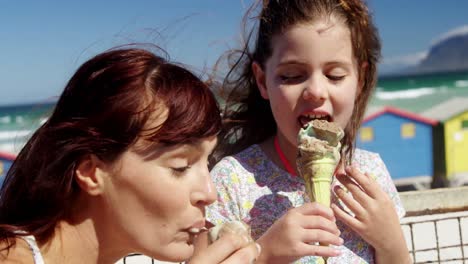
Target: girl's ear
(260,79)
(89,175)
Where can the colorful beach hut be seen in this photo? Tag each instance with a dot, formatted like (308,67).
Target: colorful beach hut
(6,160)
(451,140)
(403,140)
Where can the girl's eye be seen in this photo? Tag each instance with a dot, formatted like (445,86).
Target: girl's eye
(335,77)
(290,78)
(287,77)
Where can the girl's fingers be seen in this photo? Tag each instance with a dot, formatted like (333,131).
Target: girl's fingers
(318,250)
(347,219)
(321,236)
(364,181)
(316,209)
(357,192)
(320,223)
(350,202)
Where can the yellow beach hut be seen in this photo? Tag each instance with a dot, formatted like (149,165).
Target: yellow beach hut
(450,140)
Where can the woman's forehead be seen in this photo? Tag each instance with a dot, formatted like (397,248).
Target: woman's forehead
(152,149)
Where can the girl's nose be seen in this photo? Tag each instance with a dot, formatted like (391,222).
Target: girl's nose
(205,192)
(315,90)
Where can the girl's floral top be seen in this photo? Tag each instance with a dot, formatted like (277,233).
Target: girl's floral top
(253,189)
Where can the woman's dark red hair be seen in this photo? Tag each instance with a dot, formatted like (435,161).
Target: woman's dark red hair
(107,105)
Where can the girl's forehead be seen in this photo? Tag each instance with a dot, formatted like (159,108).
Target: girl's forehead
(324,23)
(304,37)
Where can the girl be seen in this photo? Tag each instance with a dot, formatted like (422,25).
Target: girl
(311,59)
(119,167)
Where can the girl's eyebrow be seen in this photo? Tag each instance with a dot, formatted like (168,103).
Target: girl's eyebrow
(343,64)
(291,62)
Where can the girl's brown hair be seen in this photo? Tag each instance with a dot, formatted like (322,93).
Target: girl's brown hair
(247,116)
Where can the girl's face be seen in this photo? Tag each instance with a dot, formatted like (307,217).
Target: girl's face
(158,198)
(311,73)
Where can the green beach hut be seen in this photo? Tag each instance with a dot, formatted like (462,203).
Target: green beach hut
(450,140)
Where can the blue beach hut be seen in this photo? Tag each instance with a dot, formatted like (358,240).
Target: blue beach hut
(5,163)
(403,140)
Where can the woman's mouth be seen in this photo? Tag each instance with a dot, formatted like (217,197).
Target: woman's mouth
(196,230)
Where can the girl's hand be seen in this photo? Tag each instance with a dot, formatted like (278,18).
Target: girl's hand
(375,217)
(228,249)
(296,234)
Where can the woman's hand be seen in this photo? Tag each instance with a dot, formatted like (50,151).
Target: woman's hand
(375,218)
(228,249)
(296,234)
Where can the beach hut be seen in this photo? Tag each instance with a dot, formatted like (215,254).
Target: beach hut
(403,140)
(6,160)
(451,140)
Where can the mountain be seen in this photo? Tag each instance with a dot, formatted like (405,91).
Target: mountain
(446,55)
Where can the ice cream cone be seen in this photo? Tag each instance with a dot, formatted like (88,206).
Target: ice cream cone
(318,155)
(318,178)
(233,227)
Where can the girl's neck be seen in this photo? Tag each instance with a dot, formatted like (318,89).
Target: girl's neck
(286,148)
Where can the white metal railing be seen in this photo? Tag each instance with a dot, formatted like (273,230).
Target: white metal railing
(436,225)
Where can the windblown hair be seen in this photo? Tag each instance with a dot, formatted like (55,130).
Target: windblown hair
(247,116)
(108,104)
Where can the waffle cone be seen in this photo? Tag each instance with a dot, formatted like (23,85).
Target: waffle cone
(318,177)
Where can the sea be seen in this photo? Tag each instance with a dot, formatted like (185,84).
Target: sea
(18,123)
(413,93)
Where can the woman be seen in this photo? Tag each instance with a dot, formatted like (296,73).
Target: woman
(121,166)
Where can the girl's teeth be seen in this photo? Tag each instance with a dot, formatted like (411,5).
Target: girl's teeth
(315,116)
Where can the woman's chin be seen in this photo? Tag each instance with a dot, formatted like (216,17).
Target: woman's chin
(179,253)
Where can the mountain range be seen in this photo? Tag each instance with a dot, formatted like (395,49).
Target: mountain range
(448,54)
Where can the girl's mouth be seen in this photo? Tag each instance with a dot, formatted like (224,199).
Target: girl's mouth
(303,120)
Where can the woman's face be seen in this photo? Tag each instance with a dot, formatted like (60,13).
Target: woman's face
(157,199)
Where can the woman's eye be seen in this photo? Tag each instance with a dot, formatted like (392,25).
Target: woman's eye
(180,170)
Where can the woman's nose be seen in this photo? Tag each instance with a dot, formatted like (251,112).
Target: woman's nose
(206,192)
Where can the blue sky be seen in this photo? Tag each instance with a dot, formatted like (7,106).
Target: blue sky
(43,42)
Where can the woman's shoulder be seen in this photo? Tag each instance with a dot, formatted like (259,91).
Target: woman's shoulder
(19,253)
